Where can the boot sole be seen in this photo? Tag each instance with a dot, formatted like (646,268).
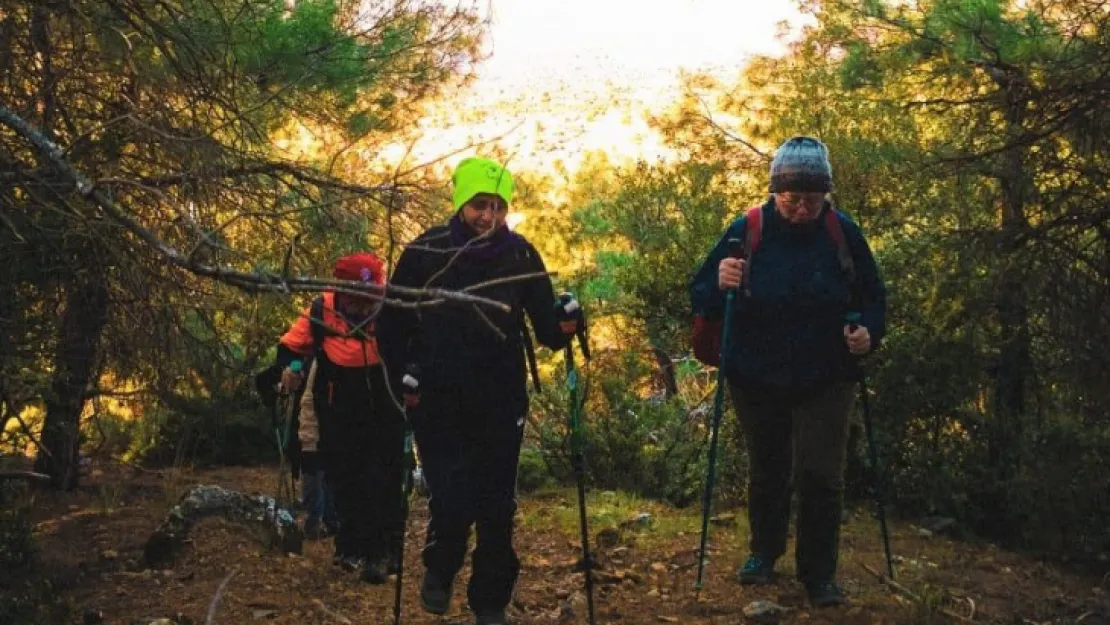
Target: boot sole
(761,580)
(438,611)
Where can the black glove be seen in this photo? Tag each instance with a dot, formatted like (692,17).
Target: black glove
(410,385)
(569,313)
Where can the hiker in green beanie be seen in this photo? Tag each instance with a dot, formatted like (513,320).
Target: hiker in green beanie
(470,365)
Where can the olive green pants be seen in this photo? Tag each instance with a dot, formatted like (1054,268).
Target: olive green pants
(796,439)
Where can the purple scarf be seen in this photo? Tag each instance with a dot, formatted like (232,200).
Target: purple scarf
(501,241)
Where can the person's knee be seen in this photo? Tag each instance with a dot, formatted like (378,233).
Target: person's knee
(767,481)
(497,512)
(821,481)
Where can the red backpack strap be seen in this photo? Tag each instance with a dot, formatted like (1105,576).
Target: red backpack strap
(753,230)
(843,252)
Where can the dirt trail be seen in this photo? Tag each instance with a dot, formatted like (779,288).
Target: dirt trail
(92,545)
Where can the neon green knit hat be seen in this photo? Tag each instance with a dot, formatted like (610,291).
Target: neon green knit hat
(476,175)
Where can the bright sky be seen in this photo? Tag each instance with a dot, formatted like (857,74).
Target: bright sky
(531,36)
(577,75)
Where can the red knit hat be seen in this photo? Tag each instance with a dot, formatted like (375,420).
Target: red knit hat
(364,267)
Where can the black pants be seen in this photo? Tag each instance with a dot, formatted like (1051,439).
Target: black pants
(361,442)
(796,437)
(470,446)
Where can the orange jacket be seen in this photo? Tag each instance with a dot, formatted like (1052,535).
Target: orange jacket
(343,350)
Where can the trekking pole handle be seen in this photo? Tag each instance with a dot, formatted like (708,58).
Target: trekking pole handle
(853,319)
(570,307)
(735,247)
(296,367)
(736,250)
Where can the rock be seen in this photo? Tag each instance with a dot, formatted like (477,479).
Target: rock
(939,524)
(763,611)
(109,554)
(658,567)
(723,519)
(604,578)
(608,537)
(924,533)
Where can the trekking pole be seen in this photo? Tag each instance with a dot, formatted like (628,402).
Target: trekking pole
(735,250)
(873,451)
(283,433)
(408,464)
(578,461)
(406,491)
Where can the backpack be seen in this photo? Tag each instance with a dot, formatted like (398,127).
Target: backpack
(707,332)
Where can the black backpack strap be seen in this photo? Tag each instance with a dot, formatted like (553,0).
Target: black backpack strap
(529,350)
(316,325)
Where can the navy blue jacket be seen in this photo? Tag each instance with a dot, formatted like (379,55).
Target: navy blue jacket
(789,333)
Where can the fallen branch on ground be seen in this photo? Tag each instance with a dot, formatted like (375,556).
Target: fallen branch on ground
(909,594)
(211,620)
(30,476)
(204,501)
(331,613)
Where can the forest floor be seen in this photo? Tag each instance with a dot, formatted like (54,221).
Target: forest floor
(92,544)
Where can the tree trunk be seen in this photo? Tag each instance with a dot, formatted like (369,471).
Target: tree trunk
(666,370)
(1014,358)
(83,320)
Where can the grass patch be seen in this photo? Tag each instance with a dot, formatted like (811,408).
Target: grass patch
(631,516)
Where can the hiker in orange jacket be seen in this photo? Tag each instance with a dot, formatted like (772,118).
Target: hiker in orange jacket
(360,428)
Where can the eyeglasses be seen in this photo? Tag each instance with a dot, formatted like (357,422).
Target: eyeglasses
(810,200)
(481,205)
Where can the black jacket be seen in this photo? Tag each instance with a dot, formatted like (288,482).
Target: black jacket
(466,346)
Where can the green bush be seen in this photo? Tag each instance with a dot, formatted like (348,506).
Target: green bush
(26,595)
(240,436)
(532,472)
(652,446)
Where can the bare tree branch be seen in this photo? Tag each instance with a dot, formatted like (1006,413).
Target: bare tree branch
(247,281)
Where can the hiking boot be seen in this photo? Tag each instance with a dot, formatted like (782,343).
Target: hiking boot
(315,530)
(491,617)
(825,594)
(435,593)
(375,571)
(756,570)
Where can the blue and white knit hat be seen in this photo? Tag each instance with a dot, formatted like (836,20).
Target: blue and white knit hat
(801,164)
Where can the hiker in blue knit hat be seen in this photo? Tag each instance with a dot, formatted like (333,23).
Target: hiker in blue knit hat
(811,303)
